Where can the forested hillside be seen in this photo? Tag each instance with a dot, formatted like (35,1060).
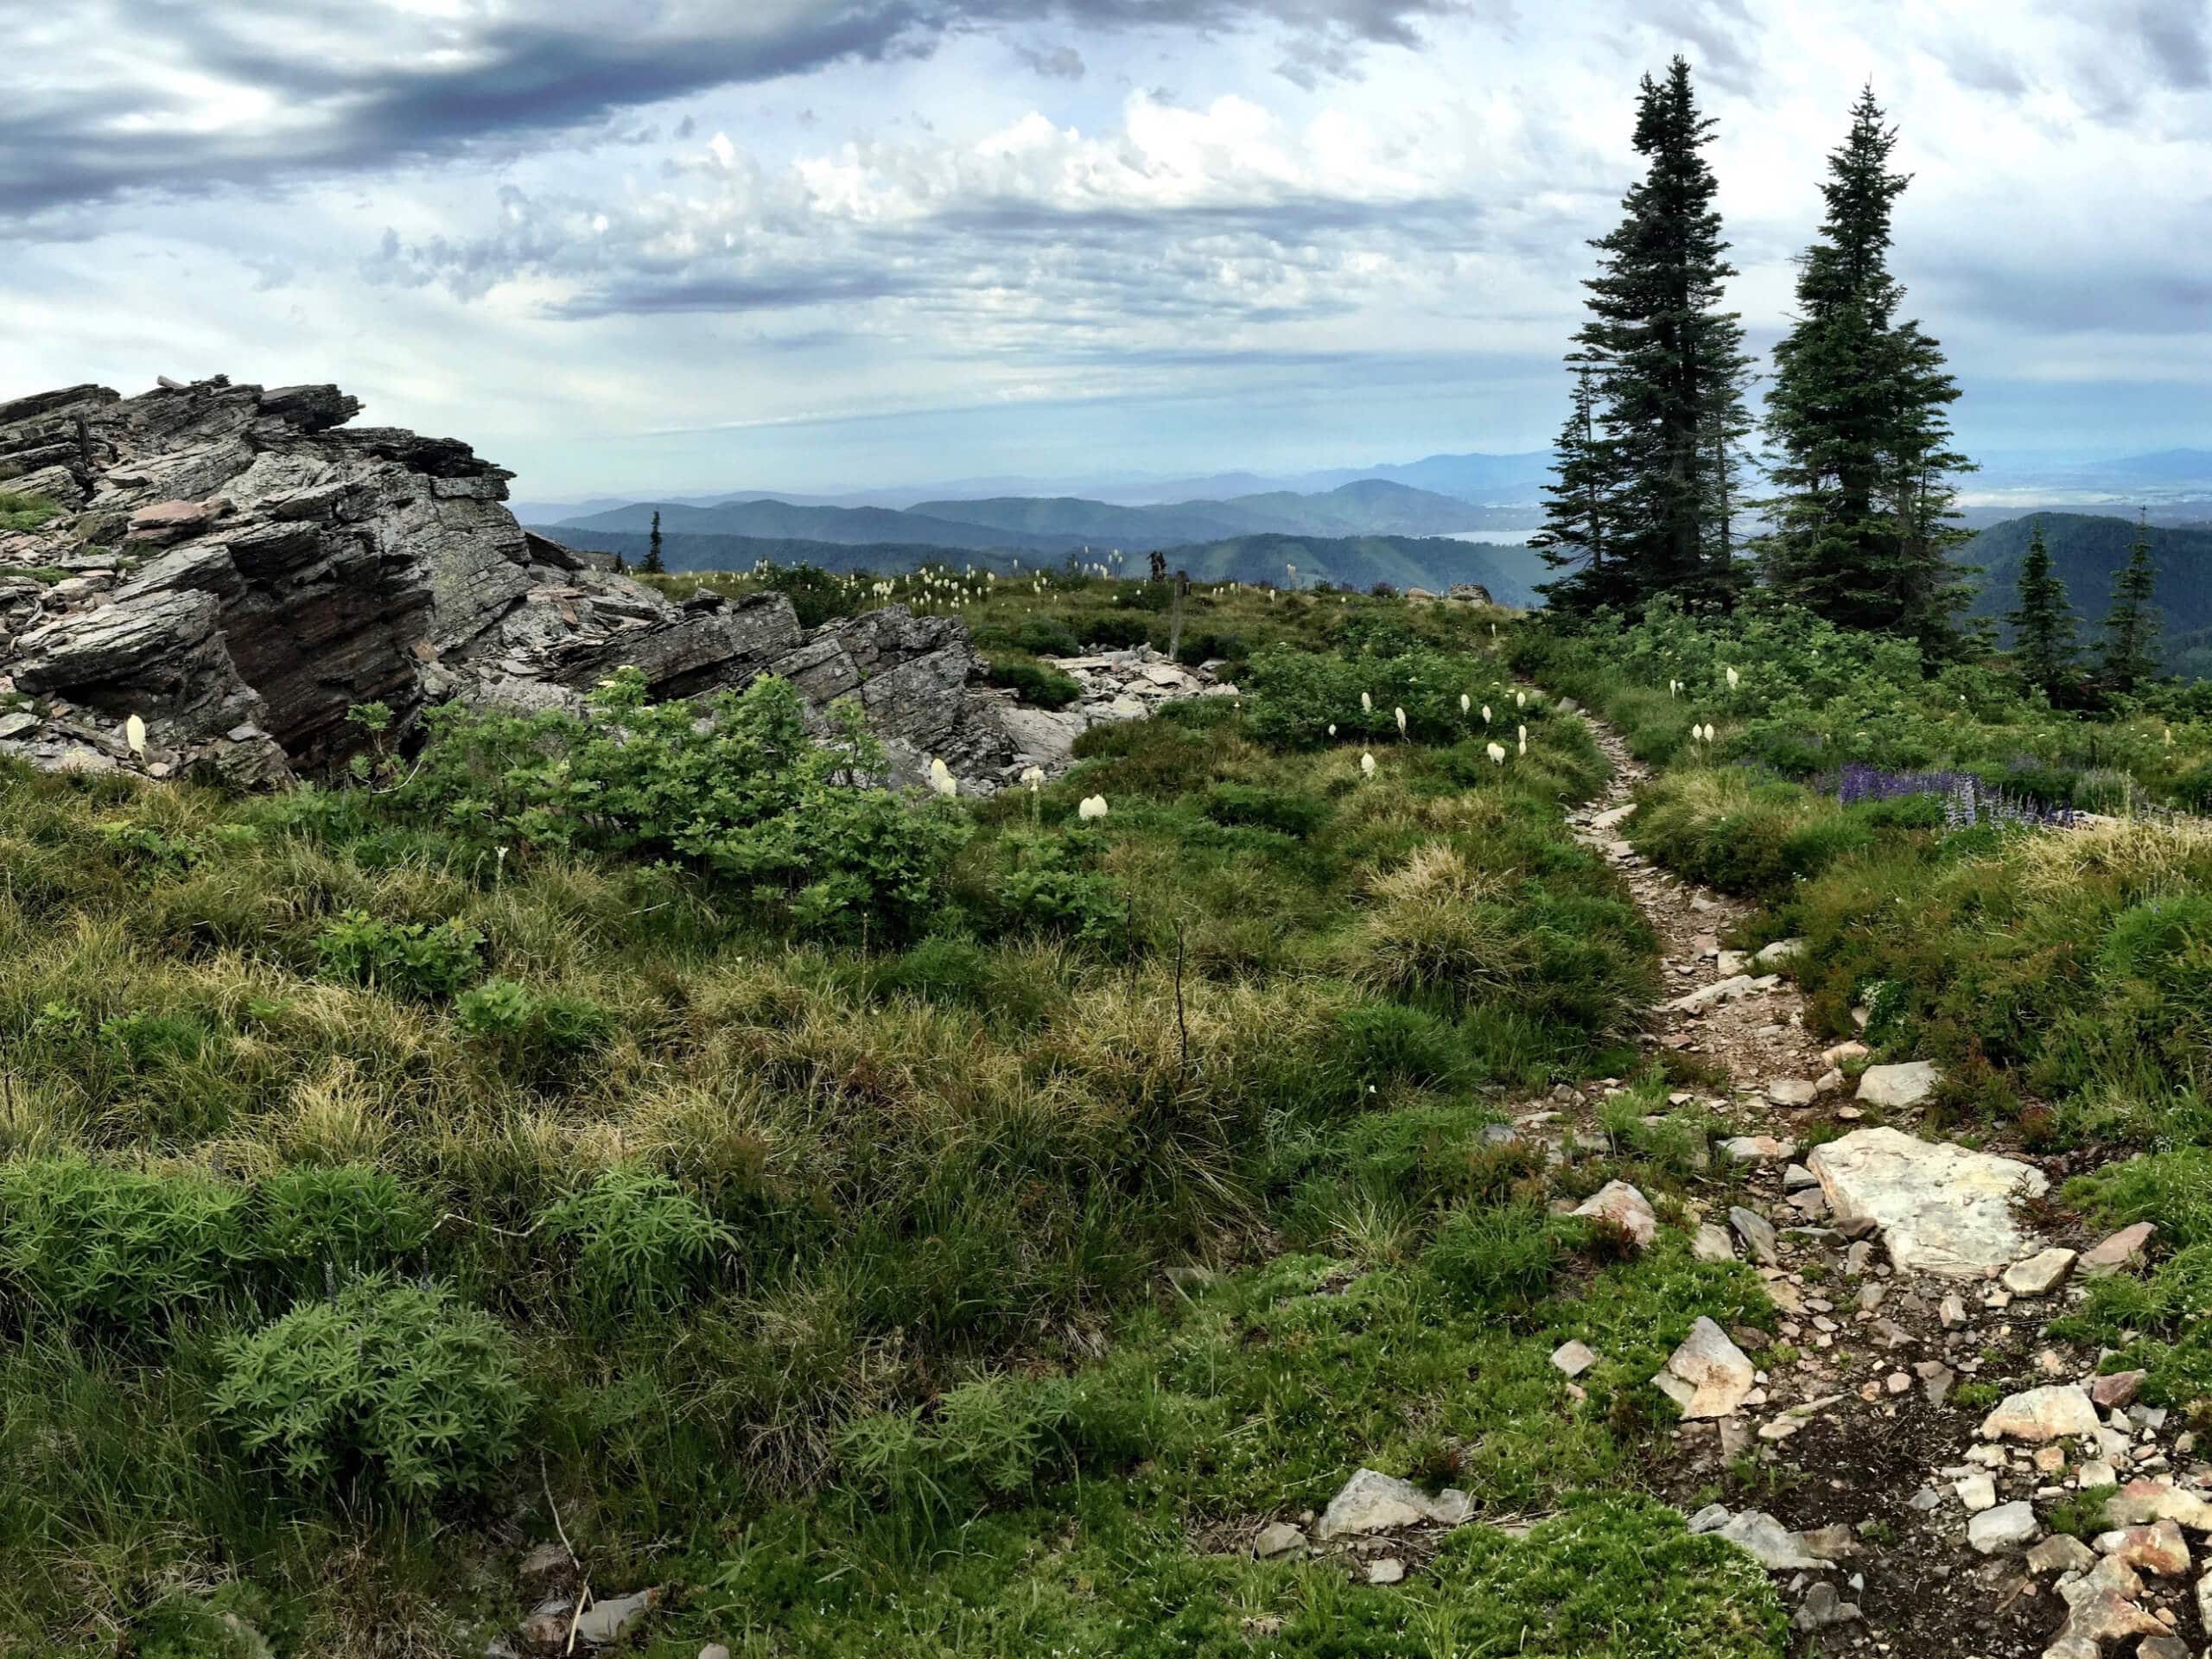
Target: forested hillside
(2087,552)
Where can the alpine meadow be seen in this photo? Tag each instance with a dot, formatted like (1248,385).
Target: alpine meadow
(1147,1047)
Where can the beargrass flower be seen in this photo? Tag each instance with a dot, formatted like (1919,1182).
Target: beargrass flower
(1091,808)
(1497,754)
(134,733)
(1366,703)
(1400,715)
(1523,731)
(1366,764)
(1465,703)
(940,779)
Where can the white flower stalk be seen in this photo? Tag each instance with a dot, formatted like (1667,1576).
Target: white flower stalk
(1366,703)
(940,779)
(1523,731)
(1520,699)
(1734,678)
(1035,776)
(1332,728)
(134,733)
(1366,764)
(1091,808)
(1497,754)
(1465,703)
(1485,713)
(1400,715)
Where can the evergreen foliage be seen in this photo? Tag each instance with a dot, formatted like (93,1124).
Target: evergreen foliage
(2130,632)
(1651,450)
(2042,625)
(655,565)
(1858,421)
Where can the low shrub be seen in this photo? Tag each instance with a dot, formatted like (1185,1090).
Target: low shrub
(126,1248)
(1033,683)
(407,958)
(399,1388)
(1267,808)
(1497,1257)
(535,1033)
(640,1245)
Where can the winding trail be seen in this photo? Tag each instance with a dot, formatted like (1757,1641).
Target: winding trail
(1857,1467)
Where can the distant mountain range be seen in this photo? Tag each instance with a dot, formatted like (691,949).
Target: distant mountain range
(1435,562)
(1055,525)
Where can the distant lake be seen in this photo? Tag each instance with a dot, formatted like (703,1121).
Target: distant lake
(1495,537)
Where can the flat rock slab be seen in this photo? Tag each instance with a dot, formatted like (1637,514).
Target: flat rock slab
(1626,1208)
(1942,1208)
(1772,1545)
(2040,1273)
(2003,1529)
(1897,1086)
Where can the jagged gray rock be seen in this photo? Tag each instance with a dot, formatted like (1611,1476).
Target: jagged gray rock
(238,567)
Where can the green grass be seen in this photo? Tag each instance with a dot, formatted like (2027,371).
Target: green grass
(20,510)
(828,1266)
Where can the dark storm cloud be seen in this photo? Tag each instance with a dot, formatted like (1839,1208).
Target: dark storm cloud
(361,87)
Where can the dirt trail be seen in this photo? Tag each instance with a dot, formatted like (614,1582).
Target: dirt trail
(1861,1445)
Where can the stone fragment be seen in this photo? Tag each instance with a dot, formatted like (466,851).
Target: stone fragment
(1711,1518)
(1573,1357)
(2101,1609)
(1758,1234)
(1625,1207)
(1711,996)
(2141,1500)
(1977,1492)
(1372,1501)
(2158,1547)
(1772,1545)
(2058,1411)
(1792,1091)
(2116,1389)
(1707,1375)
(1276,1539)
(1941,1208)
(2060,1553)
(1712,1245)
(1782,951)
(1757,1149)
(2124,1249)
(1389,1570)
(1897,1086)
(1823,1606)
(2003,1529)
(2039,1274)
(1844,1052)
(608,1620)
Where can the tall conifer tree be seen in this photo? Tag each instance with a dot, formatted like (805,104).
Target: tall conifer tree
(1858,421)
(654,565)
(2043,627)
(1646,490)
(2130,632)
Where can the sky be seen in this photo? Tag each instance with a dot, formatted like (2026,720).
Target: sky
(638,246)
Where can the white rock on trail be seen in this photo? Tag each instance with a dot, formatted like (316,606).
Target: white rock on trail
(1708,996)
(2061,1411)
(1897,1086)
(2006,1528)
(1782,951)
(2040,1273)
(1712,1245)
(1707,1375)
(1772,1545)
(1374,1502)
(1942,1208)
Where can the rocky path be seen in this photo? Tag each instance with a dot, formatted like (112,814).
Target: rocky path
(1898,1454)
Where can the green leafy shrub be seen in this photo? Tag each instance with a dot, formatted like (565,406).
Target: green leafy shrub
(938,970)
(396,1387)
(642,1246)
(1048,892)
(407,958)
(1112,633)
(535,1033)
(1295,696)
(1033,683)
(1267,808)
(346,1218)
(1197,648)
(124,1247)
(746,796)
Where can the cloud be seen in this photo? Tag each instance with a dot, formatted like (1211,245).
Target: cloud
(111,98)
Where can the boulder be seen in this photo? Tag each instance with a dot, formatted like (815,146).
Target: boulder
(2141,1500)
(2157,1547)
(1712,1243)
(2124,1248)
(296,567)
(1941,1208)
(2040,1273)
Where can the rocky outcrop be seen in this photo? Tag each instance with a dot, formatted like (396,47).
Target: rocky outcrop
(237,567)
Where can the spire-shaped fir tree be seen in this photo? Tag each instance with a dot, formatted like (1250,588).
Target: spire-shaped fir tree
(1858,422)
(1646,487)
(2129,656)
(2043,627)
